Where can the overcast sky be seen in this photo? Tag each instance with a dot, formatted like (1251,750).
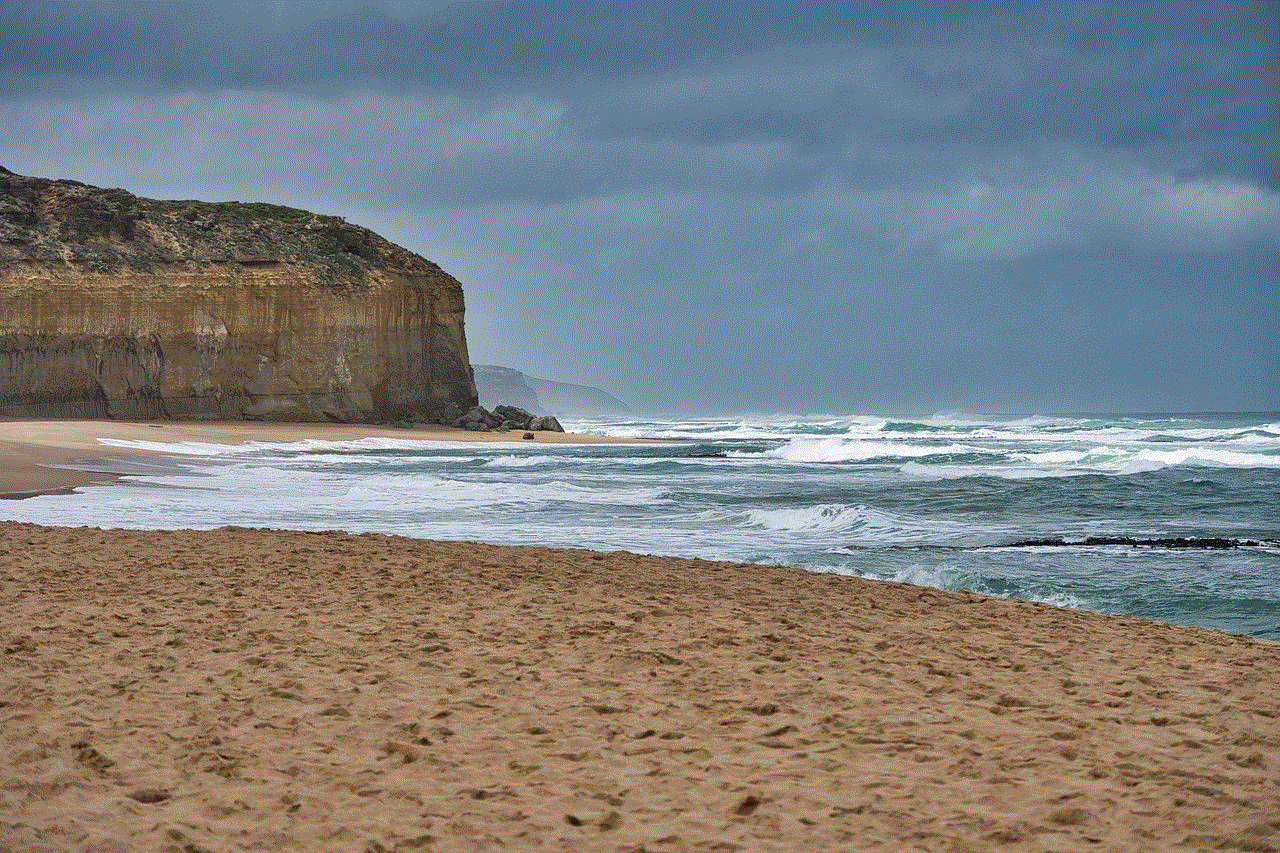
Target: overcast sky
(737,206)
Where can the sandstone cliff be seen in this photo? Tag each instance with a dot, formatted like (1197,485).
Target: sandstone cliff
(117,306)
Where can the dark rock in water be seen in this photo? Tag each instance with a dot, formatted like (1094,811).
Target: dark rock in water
(546,423)
(1205,542)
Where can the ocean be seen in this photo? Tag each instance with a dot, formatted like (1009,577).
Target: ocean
(1170,517)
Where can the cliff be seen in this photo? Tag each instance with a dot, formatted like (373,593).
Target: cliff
(505,386)
(498,384)
(117,306)
(581,401)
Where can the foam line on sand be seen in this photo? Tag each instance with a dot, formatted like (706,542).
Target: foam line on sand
(49,457)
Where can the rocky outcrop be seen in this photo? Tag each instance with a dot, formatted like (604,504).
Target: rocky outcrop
(117,306)
(505,418)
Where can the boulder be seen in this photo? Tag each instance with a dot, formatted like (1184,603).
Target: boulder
(546,423)
(514,417)
(475,418)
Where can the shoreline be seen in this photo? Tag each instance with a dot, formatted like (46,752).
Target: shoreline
(190,688)
(33,453)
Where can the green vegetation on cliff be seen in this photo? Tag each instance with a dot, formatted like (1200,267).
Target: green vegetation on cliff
(108,230)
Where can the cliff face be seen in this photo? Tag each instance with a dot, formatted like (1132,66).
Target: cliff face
(117,306)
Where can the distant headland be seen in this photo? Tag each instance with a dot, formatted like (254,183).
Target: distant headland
(496,384)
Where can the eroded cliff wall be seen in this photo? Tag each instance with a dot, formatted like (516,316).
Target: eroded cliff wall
(113,305)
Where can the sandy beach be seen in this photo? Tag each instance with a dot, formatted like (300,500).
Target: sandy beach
(239,689)
(33,453)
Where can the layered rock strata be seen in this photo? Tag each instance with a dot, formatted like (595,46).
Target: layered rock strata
(117,306)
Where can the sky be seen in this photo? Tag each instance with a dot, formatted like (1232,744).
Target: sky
(737,206)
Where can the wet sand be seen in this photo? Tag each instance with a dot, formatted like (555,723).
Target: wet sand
(32,453)
(235,690)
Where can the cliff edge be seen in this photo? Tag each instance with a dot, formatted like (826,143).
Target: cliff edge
(116,306)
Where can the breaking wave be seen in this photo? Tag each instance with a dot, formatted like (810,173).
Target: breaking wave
(827,450)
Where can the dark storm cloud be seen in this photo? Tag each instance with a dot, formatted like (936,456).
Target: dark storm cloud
(752,205)
(712,71)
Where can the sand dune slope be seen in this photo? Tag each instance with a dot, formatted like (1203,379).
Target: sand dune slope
(235,690)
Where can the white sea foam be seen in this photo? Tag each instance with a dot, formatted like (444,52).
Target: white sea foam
(948,577)
(514,461)
(195,448)
(302,498)
(1208,456)
(825,450)
(822,517)
(1049,434)
(859,522)
(1061,457)
(1057,599)
(1095,460)
(943,576)
(174,448)
(752,429)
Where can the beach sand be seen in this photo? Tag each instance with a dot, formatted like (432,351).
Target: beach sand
(31,452)
(234,690)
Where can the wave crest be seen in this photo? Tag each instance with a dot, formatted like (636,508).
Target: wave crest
(829,450)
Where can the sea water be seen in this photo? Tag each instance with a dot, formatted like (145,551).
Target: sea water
(949,501)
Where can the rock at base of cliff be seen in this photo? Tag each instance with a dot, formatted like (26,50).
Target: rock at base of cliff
(514,416)
(546,423)
(505,418)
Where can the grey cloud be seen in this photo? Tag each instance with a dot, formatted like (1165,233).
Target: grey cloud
(796,80)
(444,150)
(1130,77)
